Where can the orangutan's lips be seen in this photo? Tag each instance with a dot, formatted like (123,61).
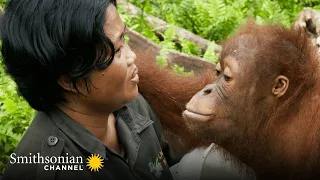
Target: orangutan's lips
(197,117)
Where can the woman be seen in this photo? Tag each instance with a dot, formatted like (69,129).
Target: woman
(70,62)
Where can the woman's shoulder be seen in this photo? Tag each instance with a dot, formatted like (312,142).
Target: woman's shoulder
(41,130)
(42,137)
(140,105)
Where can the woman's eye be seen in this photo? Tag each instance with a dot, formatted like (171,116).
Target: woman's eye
(217,72)
(226,78)
(119,50)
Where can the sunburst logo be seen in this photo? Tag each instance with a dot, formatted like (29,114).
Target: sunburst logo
(95,162)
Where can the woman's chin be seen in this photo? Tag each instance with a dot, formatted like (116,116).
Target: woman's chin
(133,94)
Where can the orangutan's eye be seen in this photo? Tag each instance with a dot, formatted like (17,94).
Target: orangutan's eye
(226,78)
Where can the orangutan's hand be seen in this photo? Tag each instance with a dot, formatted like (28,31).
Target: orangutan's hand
(309,20)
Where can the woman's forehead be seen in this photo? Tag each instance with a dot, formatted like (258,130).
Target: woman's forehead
(113,27)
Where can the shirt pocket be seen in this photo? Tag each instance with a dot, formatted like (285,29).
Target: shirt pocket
(150,159)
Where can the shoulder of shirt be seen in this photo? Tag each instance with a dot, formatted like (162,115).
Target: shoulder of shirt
(141,106)
(40,129)
(33,141)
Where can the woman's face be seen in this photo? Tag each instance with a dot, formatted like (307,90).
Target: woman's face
(116,85)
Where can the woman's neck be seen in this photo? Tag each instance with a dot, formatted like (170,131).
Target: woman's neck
(102,127)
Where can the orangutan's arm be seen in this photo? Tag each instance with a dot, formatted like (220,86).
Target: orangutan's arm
(168,94)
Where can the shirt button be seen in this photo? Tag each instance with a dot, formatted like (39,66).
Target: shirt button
(52,140)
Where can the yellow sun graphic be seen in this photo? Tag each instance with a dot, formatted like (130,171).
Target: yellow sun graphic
(95,162)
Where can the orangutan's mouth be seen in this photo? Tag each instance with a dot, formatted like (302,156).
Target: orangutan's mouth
(197,116)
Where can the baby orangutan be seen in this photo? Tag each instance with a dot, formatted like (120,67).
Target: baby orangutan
(263,108)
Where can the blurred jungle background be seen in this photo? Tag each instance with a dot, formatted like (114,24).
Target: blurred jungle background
(190,28)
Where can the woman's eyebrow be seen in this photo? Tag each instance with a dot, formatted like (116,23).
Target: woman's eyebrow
(123,33)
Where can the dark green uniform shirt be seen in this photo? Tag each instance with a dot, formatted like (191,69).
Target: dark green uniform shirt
(54,142)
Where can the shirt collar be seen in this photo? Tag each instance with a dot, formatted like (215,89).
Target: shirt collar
(133,119)
(85,139)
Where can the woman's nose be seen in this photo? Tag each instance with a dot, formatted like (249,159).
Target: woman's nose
(130,55)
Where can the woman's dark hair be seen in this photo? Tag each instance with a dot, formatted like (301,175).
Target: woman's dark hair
(44,39)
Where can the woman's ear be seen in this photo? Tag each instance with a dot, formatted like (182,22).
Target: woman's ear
(280,86)
(65,82)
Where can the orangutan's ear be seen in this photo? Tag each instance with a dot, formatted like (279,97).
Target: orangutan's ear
(280,86)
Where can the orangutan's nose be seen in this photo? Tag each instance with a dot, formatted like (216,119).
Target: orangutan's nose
(207,90)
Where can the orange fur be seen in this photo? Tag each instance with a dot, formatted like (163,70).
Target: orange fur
(168,94)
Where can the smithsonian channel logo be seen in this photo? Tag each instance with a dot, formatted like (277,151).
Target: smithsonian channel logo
(60,163)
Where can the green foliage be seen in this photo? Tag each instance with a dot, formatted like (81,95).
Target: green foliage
(175,42)
(212,19)
(168,37)
(181,71)
(3,3)
(15,117)
(217,19)
(15,114)
(161,60)
(210,55)
(138,23)
(190,48)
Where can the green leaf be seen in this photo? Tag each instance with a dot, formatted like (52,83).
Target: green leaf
(210,55)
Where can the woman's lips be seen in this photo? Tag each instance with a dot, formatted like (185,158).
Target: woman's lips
(135,77)
(134,73)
